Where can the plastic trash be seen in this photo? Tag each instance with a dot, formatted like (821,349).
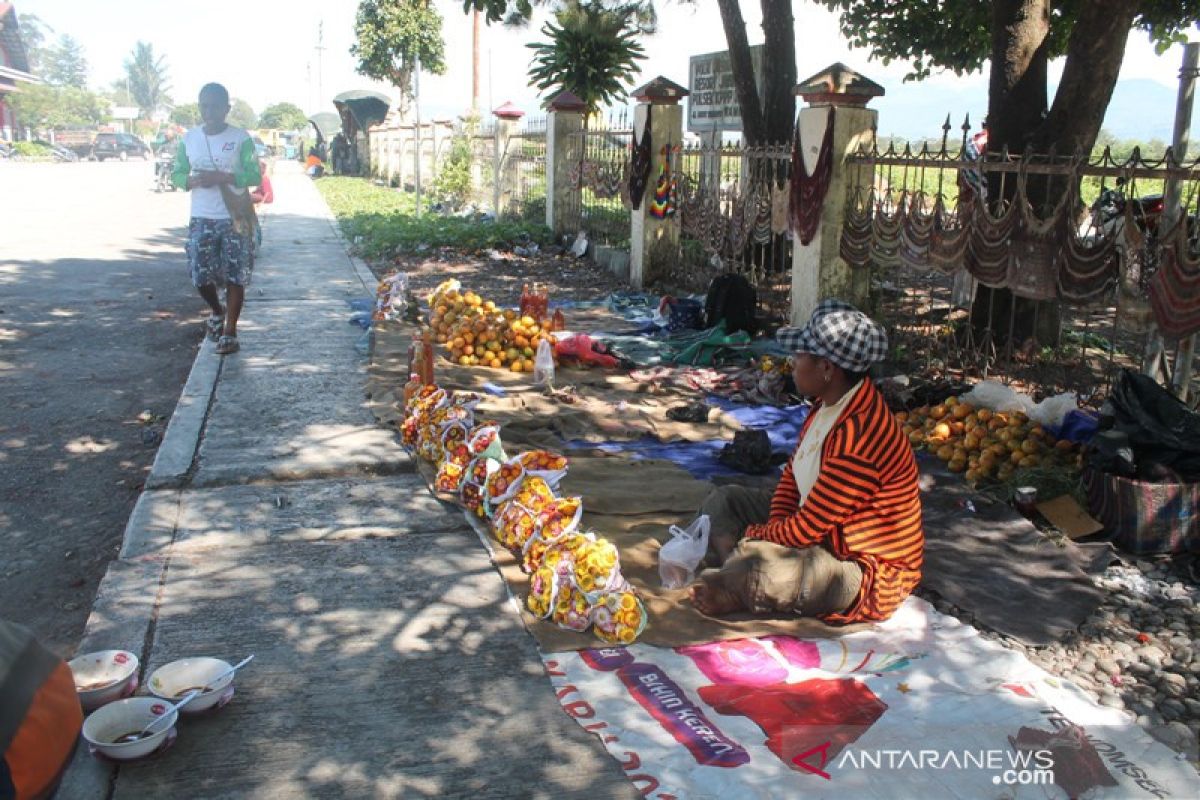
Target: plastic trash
(543,364)
(678,558)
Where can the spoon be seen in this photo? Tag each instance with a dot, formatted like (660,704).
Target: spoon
(187,698)
(230,671)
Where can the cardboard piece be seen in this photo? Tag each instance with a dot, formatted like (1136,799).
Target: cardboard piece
(1065,513)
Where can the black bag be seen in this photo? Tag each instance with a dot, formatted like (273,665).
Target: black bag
(749,452)
(1162,431)
(731,298)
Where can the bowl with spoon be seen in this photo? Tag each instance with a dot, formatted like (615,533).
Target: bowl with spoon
(211,677)
(129,729)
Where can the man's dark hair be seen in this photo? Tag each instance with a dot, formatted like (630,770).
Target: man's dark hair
(854,377)
(217,89)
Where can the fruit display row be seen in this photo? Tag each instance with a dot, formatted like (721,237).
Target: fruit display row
(479,334)
(575,576)
(983,444)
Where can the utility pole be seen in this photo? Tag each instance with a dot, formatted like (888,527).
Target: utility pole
(320,49)
(475,26)
(1185,353)
(417,131)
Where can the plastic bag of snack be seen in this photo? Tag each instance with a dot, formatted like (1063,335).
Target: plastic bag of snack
(484,440)
(598,568)
(550,467)
(557,520)
(515,519)
(619,617)
(503,484)
(470,489)
(418,412)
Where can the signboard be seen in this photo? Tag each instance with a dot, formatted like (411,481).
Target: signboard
(125,112)
(712,104)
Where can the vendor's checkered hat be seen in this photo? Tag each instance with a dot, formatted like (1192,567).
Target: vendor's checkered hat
(840,333)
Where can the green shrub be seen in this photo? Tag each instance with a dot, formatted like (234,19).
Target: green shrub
(453,182)
(31,149)
(382,223)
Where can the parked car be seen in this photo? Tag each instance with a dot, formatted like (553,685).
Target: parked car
(119,145)
(261,149)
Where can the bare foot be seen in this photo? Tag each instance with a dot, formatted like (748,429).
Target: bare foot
(711,598)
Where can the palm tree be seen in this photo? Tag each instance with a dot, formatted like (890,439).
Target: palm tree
(592,51)
(147,77)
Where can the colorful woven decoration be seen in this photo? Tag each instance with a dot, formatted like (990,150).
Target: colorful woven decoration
(808,191)
(641,155)
(666,190)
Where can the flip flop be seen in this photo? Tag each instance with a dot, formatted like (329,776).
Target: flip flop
(214,326)
(227,345)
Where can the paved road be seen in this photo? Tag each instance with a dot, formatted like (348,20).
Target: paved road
(97,323)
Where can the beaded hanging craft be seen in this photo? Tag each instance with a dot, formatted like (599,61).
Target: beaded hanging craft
(666,191)
(640,158)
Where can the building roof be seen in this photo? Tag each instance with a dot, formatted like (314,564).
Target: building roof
(10,40)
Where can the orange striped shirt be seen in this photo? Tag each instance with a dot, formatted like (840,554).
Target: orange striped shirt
(865,505)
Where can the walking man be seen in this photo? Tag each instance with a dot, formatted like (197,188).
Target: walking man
(216,163)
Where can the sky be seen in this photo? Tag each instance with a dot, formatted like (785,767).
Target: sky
(265,51)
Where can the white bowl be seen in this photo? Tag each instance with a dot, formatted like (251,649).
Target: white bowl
(103,728)
(172,681)
(103,677)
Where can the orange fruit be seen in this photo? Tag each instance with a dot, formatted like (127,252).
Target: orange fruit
(961,411)
(1015,457)
(945,452)
(1030,446)
(956,465)
(937,412)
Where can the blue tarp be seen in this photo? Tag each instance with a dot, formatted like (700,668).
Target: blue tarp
(700,458)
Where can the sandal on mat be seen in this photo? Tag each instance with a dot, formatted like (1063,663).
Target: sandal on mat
(227,345)
(214,326)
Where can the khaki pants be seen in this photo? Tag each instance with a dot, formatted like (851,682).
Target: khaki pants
(767,577)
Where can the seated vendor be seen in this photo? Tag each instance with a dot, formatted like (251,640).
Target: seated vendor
(840,537)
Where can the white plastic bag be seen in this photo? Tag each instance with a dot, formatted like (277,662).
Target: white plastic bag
(997,397)
(1053,410)
(678,558)
(543,365)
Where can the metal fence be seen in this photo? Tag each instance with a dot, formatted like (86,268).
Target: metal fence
(733,201)
(1042,271)
(598,157)
(523,172)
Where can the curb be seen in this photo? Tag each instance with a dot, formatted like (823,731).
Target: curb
(182,438)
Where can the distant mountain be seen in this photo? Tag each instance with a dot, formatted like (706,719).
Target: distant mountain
(1140,109)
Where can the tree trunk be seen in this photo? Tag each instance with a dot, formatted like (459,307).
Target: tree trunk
(754,129)
(1016,109)
(1017,87)
(1094,54)
(779,68)
(475,24)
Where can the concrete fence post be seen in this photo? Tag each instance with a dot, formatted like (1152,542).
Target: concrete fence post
(652,239)
(507,117)
(564,120)
(818,270)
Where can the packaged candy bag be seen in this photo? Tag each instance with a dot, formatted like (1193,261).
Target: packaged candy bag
(417,413)
(598,568)
(550,467)
(557,520)
(429,442)
(619,617)
(502,485)
(449,478)
(470,489)
(484,440)
(515,520)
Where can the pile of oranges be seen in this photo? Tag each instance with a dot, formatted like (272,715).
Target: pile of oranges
(478,334)
(983,444)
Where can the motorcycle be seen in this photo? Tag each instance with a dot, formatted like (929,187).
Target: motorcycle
(164,165)
(1108,212)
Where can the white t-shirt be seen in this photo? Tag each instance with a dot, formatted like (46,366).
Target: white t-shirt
(806,464)
(219,151)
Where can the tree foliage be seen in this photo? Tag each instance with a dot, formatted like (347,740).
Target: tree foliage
(283,116)
(33,36)
(187,115)
(591,50)
(42,106)
(241,114)
(933,34)
(148,81)
(392,36)
(64,63)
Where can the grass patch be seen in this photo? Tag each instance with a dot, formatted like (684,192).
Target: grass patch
(382,222)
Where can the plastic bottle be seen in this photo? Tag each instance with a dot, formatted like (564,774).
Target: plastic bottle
(543,365)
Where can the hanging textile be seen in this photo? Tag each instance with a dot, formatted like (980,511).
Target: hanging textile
(762,214)
(1175,287)
(1033,259)
(916,232)
(990,242)
(780,197)
(948,240)
(885,233)
(808,191)
(662,204)
(1088,266)
(855,247)
(640,156)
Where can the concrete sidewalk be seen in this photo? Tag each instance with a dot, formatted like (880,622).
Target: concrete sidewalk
(280,521)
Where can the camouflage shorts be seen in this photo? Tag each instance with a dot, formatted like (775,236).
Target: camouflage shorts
(217,255)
